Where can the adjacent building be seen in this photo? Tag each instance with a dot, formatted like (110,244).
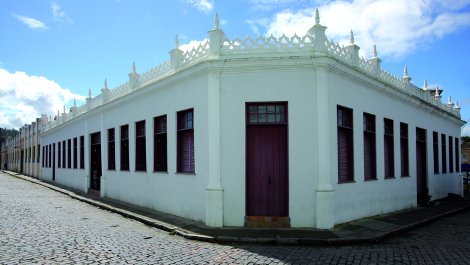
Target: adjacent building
(280,131)
(466,157)
(23,150)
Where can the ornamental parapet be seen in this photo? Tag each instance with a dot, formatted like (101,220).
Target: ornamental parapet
(217,46)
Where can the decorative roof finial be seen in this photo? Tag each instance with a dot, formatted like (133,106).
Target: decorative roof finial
(105,83)
(406,71)
(177,42)
(437,93)
(58,113)
(351,38)
(425,87)
(134,69)
(449,101)
(89,93)
(374,53)
(216,21)
(457,107)
(317,17)
(74,103)
(64,110)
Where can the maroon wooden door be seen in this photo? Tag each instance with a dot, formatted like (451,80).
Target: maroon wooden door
(266,160)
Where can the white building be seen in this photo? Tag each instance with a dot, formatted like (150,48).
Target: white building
(23,149)
(268,131)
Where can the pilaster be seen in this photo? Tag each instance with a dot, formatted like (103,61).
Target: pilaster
(214,203)
(325,190)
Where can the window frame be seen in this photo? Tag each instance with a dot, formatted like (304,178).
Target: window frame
(64,154)
(50,156)
(451,154)
(69,153)
(444,153)
(140,147)
(457,155)
(404,150)
(435,151)
(185,142)
(389,153)
(124,147)
(111,149)
(59,164)
(82,152)
(160,144)
(369,136)
(43,156)
(75,153)
(345,126)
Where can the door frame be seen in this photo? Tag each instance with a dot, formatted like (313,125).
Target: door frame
(98,184)
(422,181)
(286,124)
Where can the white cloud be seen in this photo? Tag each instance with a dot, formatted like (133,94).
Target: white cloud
(59,14)
(256,24)
(31,22)
(191,44)
(23,98)
(398,27)
(269,5)
(203,5)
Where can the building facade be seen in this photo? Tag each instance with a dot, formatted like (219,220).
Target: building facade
(465,157)
(23,149)
(284,131)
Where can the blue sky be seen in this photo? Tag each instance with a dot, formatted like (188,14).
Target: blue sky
(54,51)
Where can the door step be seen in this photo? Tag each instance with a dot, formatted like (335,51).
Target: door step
(267,221)
(93,192)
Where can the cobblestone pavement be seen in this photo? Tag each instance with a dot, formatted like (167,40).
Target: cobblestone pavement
(40,226)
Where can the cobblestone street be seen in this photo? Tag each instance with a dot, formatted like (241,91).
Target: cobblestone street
(40,226)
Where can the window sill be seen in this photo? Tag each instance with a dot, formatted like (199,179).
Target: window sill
(124,170)
(140,171)
(346,181)
(186,173)
(405,176)
(160,171)
(374,179)
(389,177)
(111,169)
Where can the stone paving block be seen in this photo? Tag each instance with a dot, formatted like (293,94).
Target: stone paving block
(41,226)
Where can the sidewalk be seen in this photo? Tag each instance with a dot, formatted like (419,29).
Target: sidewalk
(371,229)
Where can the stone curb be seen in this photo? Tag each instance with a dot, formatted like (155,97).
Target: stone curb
(171,229)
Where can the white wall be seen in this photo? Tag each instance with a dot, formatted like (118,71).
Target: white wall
(269,84)
(366,198)
(177,193)
(275,79)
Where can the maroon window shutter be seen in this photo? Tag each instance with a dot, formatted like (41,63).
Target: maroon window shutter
(187,151)
(185,144)
(367,157)
(345,144)
(457,155)
(388,149)
(345,167)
